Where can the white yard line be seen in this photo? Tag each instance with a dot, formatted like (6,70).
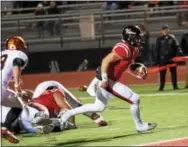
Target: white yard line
(146,84)
(163,141)
(149,95)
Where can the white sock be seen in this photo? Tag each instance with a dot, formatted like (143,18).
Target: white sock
(96,107)
(135,112)
(91,90)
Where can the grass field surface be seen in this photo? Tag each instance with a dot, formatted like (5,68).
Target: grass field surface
(169,109)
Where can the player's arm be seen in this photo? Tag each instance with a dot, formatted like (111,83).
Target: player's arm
(119,52)
(110,58)
(17,65)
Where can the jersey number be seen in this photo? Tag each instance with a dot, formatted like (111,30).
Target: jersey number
(3,60)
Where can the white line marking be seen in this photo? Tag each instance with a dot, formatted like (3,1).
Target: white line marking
(149,95)
(139,85)
(164,141)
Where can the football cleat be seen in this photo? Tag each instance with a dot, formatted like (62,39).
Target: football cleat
(146,127)
(41,121)
(6,134)
(44,129)
(100,121)
(67,125)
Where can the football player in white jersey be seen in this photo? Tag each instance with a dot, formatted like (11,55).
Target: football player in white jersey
(13,61)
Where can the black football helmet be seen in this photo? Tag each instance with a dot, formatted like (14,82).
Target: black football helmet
(133,35)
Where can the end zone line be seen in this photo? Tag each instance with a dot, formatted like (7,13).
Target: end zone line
(163,141)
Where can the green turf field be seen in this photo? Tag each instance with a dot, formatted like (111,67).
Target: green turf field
(169,109)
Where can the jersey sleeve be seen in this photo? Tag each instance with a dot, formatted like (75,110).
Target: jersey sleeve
(122,50)
(21,55)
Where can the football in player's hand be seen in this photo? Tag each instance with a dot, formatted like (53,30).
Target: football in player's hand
(140,70)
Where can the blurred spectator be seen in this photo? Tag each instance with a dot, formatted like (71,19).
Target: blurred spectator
(167,47)
(184,46)
(124,4)
(6,5)
(145,44)
(153,5)
(55,24)
(110,5)
(182,17)
(83,66)
(40,25)
(182,4)
(45,3)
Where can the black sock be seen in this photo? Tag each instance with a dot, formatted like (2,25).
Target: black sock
(12,115)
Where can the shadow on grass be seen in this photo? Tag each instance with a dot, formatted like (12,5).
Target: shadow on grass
(80,142)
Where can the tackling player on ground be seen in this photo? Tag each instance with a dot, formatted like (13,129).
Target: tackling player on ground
(113,65)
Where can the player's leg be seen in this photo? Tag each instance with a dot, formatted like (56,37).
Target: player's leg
(173,71)
(125,93)
(162,79)
(102,97)
(74,103)
(91,90)
(9,100)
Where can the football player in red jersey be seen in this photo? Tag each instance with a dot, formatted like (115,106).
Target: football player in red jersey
(113,65)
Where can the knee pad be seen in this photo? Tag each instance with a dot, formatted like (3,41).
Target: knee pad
(135,98)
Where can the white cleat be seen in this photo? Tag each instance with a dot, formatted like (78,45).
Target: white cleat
(44,129)
(41,121)
(146,127)
(67,125)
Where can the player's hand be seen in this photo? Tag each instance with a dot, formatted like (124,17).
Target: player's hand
(142,73)
(18,89)
(104,82)
(139,70)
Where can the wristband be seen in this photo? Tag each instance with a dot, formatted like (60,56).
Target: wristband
(104,76)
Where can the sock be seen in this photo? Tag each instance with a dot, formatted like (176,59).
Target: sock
(98,106)
(12,115)
(91,90)
(135,112)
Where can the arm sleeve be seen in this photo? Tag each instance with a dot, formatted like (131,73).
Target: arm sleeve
(177,46)
(18,62)
(121,50)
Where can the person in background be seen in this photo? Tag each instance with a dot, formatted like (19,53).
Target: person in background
(110,5)
(83,66)
(182,16)
(167,47)
(55,24)
(144,47)
(184,46)
(40,24)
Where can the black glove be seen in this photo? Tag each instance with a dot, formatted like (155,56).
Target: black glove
(98,73)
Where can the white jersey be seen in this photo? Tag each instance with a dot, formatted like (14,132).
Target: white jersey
(44,85)
(6,65)
(71,99)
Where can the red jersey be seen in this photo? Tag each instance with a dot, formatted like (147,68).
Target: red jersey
(47,100)
(128,53)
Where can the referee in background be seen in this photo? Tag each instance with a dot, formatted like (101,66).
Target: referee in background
(184,46)
(167,47)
